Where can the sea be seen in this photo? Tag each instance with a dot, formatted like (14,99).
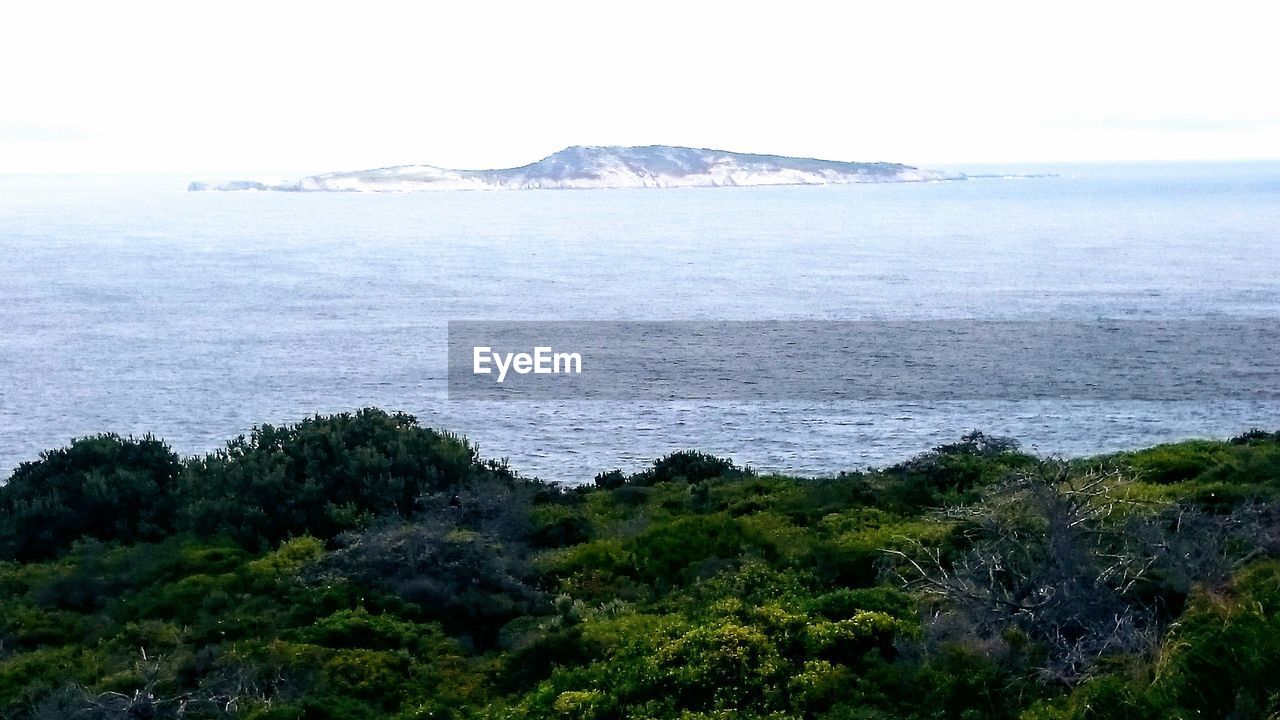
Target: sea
(130,305)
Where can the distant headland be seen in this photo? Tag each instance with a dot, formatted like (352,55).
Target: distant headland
(583,167)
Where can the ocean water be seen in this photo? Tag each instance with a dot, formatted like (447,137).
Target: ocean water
(132,306)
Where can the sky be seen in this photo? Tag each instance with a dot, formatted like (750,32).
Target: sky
(300,87)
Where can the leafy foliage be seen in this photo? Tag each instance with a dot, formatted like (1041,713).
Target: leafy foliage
(322,476)
(360,566)
(104,487)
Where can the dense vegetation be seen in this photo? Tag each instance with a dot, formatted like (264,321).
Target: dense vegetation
(360,566)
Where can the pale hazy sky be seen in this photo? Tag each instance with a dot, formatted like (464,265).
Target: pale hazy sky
(285,87)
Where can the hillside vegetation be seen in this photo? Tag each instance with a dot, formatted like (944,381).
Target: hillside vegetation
(361,566)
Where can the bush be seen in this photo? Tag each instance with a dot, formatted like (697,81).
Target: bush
(104,487)
(557,526)
(1223,658)
(1167,464)
(464,558)
(1256,436)
(950,473)
(610,480)
(322,476)
(664,553)
(688,466)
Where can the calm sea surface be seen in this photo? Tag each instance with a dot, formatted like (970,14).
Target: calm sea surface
(130,305)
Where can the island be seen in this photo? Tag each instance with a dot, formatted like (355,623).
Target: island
(584,167)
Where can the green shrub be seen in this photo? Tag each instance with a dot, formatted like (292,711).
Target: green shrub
(688,466)
(949,473)
(322,476)
(1167,464)
(104,487)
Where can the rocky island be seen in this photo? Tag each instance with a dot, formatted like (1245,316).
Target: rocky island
(582,167)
